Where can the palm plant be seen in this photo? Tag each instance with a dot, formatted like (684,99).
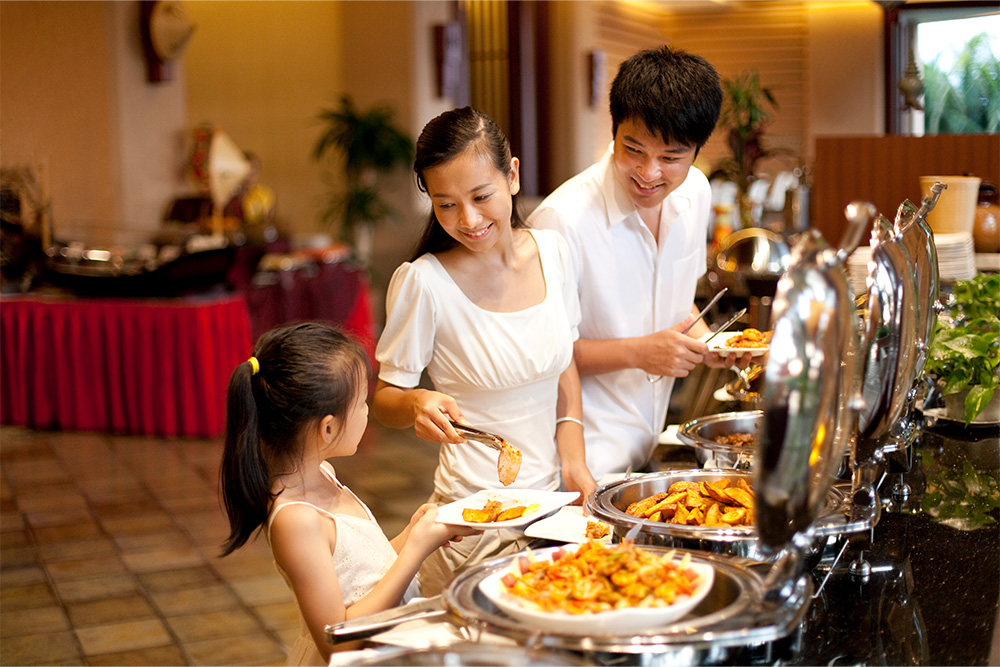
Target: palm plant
(745,114)
(965,100)
(369,144)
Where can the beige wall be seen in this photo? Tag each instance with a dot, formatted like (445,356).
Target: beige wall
(74,96)
(262,71)
(75,106)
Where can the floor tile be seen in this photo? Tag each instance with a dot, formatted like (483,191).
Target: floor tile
(93,588)
(262,590)
(108,610)
(17,622)
(137,524)
(191,600)
(77,550)
(179,557)
(83,569)
(41,649)
(69,533)
(118,637)
(32,596)
(248,650)
(213,624)
(160,655)
(23,576)
(172,580)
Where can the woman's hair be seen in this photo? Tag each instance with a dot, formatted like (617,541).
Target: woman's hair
(676,94)
(304,373)
(443,139)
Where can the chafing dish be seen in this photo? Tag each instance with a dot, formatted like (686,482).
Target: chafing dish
(745,619)
(701,434)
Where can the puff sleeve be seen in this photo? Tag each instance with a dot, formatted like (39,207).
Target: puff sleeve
(407,343)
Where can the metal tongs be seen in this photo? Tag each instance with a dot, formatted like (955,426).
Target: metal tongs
(489,439)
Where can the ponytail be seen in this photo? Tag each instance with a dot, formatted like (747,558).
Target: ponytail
(246,481)
(298,375)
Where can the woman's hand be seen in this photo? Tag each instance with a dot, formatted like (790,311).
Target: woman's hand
(428,412)
(578,478)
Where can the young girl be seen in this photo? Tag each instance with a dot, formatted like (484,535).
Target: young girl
(299,400)
(490,310)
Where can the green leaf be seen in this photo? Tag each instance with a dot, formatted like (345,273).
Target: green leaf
(976,400)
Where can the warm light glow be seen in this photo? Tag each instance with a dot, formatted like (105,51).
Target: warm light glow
(817,445)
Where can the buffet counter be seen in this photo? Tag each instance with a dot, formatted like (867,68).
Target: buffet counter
(136,366)
(930,596)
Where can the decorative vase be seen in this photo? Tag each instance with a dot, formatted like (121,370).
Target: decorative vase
(954,406)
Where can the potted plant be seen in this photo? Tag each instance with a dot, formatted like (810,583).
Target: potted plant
(745,114)
(370,144)
(964,357)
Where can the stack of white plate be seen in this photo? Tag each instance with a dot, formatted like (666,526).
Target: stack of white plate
(857,269)
(956,256)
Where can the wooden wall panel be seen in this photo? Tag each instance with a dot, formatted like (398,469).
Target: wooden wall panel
(886,170)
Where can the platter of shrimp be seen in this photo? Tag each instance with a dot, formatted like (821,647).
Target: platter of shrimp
(598,588)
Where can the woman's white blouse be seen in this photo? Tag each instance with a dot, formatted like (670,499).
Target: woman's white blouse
(502,368)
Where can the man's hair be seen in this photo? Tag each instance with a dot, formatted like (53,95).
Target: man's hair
(675,93)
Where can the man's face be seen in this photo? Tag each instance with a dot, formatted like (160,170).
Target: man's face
(646,167)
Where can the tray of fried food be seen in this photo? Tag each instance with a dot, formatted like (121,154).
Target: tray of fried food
(494,510)
(715,504)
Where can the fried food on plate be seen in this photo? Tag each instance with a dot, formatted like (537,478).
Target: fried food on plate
(750,338)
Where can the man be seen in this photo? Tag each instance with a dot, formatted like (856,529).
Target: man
(636,222)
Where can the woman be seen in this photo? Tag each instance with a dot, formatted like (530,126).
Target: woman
(490,310)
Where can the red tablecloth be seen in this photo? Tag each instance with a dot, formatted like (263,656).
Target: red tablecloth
(143,367)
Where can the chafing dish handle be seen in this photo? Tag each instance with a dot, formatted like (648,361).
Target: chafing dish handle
(372,624)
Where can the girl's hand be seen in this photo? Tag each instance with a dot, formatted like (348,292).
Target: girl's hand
(426,534)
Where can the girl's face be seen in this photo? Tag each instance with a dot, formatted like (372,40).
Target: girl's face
(472,199)
(648,168)
(354,425)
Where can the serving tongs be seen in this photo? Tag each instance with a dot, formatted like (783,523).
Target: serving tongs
(489,439)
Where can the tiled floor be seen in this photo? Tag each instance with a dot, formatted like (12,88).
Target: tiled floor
(109,549)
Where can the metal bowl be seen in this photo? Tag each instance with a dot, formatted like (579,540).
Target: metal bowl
(701,433)
(608,503)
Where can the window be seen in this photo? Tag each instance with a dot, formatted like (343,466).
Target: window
(956,48)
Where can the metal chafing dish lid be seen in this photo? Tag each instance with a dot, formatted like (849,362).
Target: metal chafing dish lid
(809,416)
(917,238)
(889,335)
(750,256)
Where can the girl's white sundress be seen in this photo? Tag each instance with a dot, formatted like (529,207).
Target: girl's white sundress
(361,556)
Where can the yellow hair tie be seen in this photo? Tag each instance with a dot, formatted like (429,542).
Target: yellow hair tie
(254,364)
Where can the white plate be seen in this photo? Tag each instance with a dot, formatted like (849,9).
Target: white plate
(718,345)
(546,500)
(617,621)
(569,524)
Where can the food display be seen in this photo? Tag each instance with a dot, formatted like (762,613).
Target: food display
(598,577)
(508,463)
(737,439)
(750,338)
(716,504)
(494,510)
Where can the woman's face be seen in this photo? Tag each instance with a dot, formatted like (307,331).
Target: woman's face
(472,199)
(646,167)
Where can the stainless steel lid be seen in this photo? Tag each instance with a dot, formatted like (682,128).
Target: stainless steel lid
(751,260)
(888,338)
(917,238)
(809,416)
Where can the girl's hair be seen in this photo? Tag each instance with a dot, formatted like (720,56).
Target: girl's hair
(305,372)
(446,137)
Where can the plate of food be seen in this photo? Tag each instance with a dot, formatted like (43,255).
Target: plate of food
(739,342)
(504,508)
(569,524)
(533,589)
